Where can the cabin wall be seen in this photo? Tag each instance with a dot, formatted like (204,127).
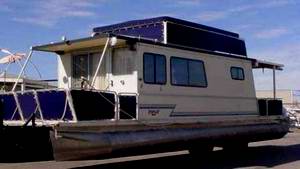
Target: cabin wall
(123,76)
(64,71)
(223,96)
(118,71)
(65,68)
(101,81)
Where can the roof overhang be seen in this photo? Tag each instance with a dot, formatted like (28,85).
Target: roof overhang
(261,64)
(77,44)
(121,40)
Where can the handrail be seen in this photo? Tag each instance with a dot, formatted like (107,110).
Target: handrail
(68,102)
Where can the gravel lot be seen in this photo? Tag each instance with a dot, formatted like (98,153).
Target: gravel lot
(283,153)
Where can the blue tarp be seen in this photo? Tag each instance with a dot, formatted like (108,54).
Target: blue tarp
(10,111)
(27,104)
(53,104)
(179,32)
(159,20)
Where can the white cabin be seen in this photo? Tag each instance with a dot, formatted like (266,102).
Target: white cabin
(218,86)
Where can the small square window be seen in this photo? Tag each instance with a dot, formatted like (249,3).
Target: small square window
(237,73)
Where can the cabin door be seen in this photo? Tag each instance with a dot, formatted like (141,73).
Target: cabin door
(81,69)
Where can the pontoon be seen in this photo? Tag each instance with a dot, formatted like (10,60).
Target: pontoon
(158,84)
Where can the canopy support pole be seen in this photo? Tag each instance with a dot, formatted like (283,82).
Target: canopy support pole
(99,64)
(274,83)
(22,70)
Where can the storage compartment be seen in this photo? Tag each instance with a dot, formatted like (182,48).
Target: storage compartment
(127,107)
(275,107)
(269,107)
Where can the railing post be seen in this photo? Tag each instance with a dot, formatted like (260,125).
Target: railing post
(1,113)
(22,70)
(274,83)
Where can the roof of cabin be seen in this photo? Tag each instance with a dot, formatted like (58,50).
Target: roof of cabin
(142,22)
(99,40)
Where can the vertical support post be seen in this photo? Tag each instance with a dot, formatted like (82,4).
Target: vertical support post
(267,107)
(23,86)
(165,32)
(274,83)
(33,120)
(22,71)
(1,113)
(100,61)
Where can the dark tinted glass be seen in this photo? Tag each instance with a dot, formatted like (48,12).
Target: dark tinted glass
(179,68)
(196,73)
(237,73)
(154,68)
(160,69)
(149,68)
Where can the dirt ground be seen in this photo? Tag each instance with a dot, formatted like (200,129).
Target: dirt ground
(280,154)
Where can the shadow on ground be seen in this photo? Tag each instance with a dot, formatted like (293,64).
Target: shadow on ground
(266,156)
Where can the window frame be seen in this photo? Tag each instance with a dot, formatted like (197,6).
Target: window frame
(89,67)
(165,68)
(240,68)
(188,59)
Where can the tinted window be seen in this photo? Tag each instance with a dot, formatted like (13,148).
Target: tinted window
(149,68)
(154,68)
(179,71)
(237,73)
(160,69)
(187,72)
(196,74)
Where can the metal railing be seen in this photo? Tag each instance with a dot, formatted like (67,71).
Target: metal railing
(30,106)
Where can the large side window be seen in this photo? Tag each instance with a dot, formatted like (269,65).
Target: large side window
(154,68)
(237,73)
(188,72)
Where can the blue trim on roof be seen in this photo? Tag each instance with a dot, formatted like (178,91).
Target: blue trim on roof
(158,20)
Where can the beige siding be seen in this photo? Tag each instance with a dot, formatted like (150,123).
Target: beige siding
(101,79)
(122,71)
(64,71)
(123,77)
(222,95)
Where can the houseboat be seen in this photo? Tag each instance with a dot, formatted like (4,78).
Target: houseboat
(157,84)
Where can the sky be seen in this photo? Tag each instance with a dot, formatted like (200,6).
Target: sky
(271,28)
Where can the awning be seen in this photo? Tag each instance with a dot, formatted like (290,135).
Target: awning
(261,64)
(77,44)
